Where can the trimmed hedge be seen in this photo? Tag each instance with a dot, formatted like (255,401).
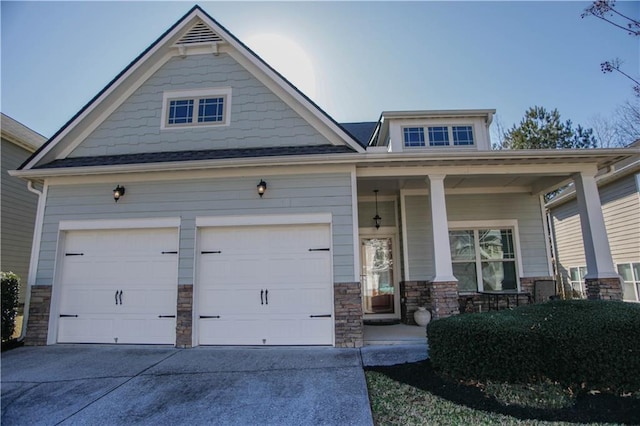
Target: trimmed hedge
(575,342)
(10,284)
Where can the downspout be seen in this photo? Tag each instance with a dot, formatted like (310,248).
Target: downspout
(35,246)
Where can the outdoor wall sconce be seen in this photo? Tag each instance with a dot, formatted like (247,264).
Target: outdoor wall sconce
(118,192)
(262,187)
(377,219)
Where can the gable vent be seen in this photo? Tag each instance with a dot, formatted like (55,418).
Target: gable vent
(199,33)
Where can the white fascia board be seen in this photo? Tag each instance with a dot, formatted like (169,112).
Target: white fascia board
(487,114)
(112,88)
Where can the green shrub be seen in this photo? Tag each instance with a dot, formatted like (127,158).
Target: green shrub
(10,288)
(574,342)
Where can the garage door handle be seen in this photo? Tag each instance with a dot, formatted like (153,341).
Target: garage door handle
(74,254)
(68,316)
(119,296)
(320,316)
(166,316)
(209,316)
(169,252)
(266,297)
(320,249)
(211,252)
(261,295)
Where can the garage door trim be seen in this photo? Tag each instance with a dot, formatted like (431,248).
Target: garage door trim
(251,220)
(98,225)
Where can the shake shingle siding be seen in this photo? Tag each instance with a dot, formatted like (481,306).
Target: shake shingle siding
(189,199)
(258,117)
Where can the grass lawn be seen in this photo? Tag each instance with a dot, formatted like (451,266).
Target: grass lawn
(412,394)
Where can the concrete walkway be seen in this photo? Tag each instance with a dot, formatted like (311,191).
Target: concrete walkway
(105,385)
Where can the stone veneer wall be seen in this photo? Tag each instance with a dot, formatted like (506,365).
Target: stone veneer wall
(603,289)
(349,327)
(38,323)
(412,295)
(184,317)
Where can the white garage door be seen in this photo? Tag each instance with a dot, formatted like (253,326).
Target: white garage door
(267,285)
(119,286)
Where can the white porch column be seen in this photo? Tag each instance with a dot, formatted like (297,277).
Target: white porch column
(441,250)
(594,233)
(602,280)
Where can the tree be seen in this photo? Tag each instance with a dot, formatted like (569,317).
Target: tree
(606,11)
(619,130)
(542,129)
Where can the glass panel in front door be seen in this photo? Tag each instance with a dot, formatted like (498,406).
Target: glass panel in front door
(377,276)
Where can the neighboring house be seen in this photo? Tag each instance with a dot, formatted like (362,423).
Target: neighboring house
(619,189)
(201,199)
(19,205)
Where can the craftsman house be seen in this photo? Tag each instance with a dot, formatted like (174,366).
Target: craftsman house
(201,199)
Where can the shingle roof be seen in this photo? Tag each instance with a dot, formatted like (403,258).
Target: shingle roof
(211,154)
(360,131)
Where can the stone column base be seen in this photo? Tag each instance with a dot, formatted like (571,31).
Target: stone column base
(603,288)
(38,323)
(444,299)
(184,317)
(349,327)
(412,295)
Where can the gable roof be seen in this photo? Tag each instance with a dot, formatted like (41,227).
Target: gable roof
(202,29)
(19,134)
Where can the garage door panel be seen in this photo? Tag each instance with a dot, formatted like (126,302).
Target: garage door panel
(273,258)
(233,330)
(83,300)
(310,301)
(86,330)
(103,262)
(218,302)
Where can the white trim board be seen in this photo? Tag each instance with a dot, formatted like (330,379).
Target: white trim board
(253,220)
(77,225)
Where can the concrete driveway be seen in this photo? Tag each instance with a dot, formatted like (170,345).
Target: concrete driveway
(103,385)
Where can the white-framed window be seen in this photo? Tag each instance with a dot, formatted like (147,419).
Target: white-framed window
(576,281)
(438,136)
(413,136)
(462,135)
(200,107)
(484,258)
(630,273)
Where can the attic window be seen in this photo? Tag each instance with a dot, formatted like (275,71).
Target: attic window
(199,33)
(196,108)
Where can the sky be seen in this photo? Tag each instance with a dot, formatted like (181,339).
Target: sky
(354,59)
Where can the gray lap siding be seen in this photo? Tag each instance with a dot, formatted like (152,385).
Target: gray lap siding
(188,199)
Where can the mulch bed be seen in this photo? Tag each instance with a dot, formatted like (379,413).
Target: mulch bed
(587,409)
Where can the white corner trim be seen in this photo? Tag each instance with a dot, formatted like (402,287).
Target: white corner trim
(253,220)
(405,243)
(79,225)
(356,225)
(547,239)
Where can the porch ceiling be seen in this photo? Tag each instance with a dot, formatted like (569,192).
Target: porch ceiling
(389,185)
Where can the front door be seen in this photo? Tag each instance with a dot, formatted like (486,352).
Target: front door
(380,290)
